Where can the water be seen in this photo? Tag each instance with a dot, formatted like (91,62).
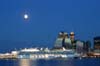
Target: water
(54,62)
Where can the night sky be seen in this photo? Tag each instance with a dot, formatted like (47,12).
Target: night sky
(46,19)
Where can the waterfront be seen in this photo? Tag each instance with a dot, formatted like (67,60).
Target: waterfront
(53,62)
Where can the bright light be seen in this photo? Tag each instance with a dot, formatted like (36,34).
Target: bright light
(25,16)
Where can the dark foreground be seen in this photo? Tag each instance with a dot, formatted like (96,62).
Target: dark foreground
(53,62)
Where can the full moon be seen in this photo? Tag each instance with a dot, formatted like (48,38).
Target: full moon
(26,16)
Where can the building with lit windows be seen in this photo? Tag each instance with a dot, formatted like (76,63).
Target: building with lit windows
(97,44)
(59,41)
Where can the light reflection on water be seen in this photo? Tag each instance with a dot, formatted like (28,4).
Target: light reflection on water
(29,62)
(24,62)
(53,62)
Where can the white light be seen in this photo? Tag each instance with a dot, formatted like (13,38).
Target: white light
(25,16)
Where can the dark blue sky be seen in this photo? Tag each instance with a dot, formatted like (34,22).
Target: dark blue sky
(47,18)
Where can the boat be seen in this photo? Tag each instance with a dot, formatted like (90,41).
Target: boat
(45,53)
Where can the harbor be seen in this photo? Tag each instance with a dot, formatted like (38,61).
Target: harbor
(66,46)
(45,55)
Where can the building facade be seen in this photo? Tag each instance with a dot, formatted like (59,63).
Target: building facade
(97,44)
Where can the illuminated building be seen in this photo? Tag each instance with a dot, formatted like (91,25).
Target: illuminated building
(87,46)
(79,46)
(63,41)
(67,43)
(72,37)
(97,44)
(73,41)
(59,41)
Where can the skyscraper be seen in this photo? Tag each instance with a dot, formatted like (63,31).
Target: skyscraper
(59,40)
(97,44)
(63,40)
(67,42)
(73,41)
(87,46)
(72,37)
(79,46)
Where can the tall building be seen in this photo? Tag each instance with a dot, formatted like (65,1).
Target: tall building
(87,46)
(59,40)
(79,47)
(67,42)
(97,44)
(72,37)
(73,41)
(63,40)
(65,36)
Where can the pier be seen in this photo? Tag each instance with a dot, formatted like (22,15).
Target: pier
(12,55)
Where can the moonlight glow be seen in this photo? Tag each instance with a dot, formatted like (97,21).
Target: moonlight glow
(26,16)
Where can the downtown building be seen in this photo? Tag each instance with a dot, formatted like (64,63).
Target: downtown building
(68,41)
(97,44)
(96,48)
(63,40)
